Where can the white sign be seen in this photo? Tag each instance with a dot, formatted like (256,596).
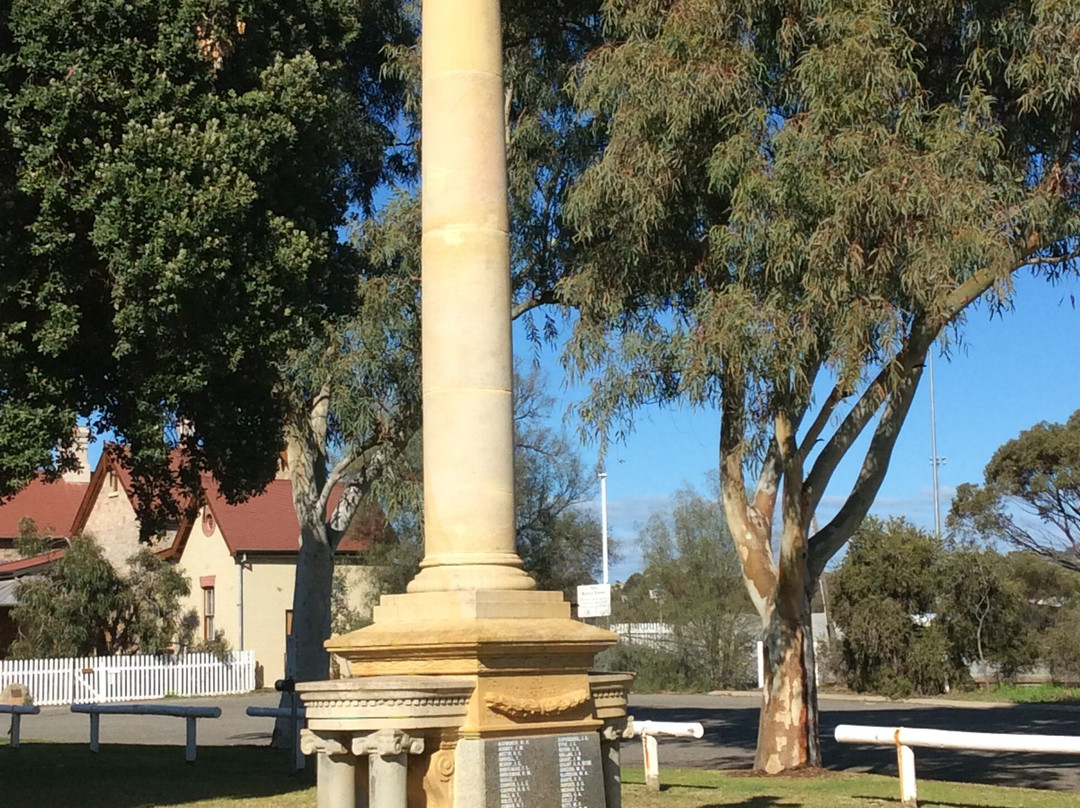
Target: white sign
(594,600)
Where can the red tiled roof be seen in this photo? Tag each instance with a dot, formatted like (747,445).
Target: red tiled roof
(52,506)
(267,523)
(24,564)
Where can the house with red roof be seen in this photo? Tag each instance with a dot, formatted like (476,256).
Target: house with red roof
(240,558)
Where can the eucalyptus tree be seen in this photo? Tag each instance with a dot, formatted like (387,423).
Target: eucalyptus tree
(796,200)
(1031,494)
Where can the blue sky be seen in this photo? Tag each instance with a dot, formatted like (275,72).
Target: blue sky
(1011,372)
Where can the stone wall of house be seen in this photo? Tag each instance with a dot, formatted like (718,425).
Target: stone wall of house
(113,524)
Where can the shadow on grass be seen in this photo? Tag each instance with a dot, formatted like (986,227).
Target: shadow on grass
(756,802)
(127,776)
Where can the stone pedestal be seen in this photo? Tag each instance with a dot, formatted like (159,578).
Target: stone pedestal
(378,738)
(527,664)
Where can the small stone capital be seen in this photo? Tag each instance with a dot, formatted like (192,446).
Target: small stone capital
(322,743)
(387,743)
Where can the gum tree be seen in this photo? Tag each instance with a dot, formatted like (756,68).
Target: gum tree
(1031,494)
(797,199)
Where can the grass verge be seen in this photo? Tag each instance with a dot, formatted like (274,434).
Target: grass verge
(687,788)
(120,776)
(1023,694)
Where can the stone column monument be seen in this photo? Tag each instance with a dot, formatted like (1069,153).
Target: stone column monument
(529,732)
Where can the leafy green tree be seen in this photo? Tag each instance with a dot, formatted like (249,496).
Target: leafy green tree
(559,543)
(884,599)
(797,198)
(690,563)
(985,613)
(173,175)
(82,606)
(1031,494)
(916,613)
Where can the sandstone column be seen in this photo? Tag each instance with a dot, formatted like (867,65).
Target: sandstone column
(467,354)
(472,612)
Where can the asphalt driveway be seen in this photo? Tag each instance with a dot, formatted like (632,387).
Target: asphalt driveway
(730,722)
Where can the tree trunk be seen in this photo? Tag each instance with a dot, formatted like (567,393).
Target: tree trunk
(788,727)
(306,660)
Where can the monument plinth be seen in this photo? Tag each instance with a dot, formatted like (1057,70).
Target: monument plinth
(528,730)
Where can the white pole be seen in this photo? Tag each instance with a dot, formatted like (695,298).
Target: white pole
(905,760)
(760,665)
(954,739)
(933,449)
(675,729)
(603,522)
(650,754)
(240,562)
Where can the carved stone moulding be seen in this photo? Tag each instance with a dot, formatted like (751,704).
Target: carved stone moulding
(610,694)
(386,702)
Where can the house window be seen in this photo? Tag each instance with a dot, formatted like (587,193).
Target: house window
(208,613)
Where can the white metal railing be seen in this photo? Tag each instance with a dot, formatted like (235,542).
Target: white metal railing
(80,680)
(650,750)
(905,738)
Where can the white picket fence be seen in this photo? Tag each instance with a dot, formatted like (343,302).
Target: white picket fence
(651,635)
(130,678)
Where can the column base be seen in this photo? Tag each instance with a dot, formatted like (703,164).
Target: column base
(471,571)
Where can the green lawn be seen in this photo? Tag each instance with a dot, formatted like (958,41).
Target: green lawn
(45,775)
(685,788)
(1023,694)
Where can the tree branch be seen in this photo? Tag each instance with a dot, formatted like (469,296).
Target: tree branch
(749,527)
(827,541)
(542,298)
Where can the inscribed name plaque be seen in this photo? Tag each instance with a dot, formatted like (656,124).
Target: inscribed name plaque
(556,771)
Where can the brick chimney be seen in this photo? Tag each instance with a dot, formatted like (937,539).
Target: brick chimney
(80,448)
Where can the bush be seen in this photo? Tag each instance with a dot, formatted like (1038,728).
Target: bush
(678,670)
(1061,647)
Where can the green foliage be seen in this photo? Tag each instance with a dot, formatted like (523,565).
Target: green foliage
(154,590)
(985,613)
(691,581)
(1061,646)
(1031,494)
(173,175)
(30,542)
(559,543)
(678,669)
(915,613)
(69,610)
(81,605)
(796,193)
(884,598)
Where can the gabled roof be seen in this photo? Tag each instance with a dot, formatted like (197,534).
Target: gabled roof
(267,523)
(52,505)
(262,524)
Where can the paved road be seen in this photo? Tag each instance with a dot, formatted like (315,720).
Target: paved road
(730,734)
